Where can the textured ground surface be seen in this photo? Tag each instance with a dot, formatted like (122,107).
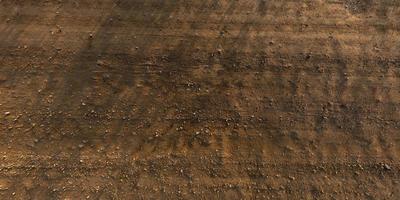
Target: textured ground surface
(199,99)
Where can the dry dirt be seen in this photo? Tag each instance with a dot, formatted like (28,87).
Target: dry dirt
(199,99)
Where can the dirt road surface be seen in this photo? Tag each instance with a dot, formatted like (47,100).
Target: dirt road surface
(199,99)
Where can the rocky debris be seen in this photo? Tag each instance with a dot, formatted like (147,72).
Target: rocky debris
(268,105)
(358,6)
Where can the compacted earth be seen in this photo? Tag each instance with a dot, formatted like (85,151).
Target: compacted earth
(199,99)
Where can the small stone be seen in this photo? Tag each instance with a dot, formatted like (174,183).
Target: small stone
(4,184)
(100,63)
(387,167)
(7,113)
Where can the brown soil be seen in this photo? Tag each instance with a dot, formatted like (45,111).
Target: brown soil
(199,99)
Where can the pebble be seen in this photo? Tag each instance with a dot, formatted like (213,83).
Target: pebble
(4,184)
(387,167)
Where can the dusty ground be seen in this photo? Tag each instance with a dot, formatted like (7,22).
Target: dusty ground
(199,99)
